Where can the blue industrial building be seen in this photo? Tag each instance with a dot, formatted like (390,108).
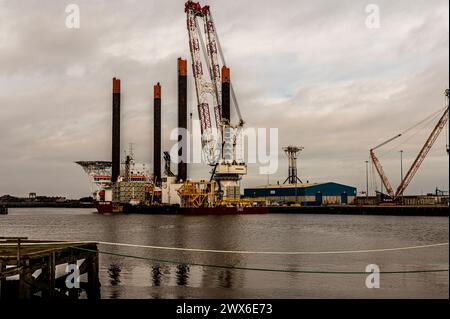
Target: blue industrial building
(329,193)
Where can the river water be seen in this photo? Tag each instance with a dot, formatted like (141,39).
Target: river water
(127,277)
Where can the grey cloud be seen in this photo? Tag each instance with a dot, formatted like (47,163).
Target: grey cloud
(311,69)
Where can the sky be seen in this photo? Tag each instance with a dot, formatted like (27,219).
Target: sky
(312,69)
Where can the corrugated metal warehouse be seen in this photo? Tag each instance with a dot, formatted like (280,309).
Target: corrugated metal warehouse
(329,193)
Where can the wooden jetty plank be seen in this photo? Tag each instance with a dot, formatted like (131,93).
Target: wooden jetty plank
(24,257)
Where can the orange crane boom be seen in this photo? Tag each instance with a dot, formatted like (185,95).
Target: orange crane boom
(380,171)
(422,154)
(417,162)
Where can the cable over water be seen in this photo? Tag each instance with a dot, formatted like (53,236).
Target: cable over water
(73,245)
(236,251)
(266,269)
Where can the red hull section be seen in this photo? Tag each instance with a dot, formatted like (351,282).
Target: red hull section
(224,210)
(103,207)
(107,208)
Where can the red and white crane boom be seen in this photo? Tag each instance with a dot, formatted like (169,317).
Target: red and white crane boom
(206,88)
(222,142)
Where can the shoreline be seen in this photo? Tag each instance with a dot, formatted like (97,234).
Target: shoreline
(70,204)
(431,210)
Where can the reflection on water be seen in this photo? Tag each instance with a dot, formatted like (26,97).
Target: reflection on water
(156,276)
(114,274)
(226,279)
(182,275)
(114,271)
(126,277)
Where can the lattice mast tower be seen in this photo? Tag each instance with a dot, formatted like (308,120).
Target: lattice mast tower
(292,154)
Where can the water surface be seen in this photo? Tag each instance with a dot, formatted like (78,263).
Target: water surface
(126,277)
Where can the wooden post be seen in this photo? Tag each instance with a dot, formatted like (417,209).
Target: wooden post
(28,260)
(52,273)
(24,286)
(44,279)
(2,283)
(18,252)
(93,290)
(73,292)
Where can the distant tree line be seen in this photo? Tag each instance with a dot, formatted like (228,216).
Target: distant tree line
(43,199)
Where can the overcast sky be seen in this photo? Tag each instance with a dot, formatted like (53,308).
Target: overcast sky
(312,69)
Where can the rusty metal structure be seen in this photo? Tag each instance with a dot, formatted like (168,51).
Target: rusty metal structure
(157,133)
(115,130)
(182,119)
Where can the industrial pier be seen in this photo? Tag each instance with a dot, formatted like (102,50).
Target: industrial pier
(398,210)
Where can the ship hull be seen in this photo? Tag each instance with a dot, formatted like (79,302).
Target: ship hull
(103,207)
(107,208)
(143,209)
(223,210)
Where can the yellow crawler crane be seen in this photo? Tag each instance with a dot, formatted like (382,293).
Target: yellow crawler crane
(195,194)
(232,202)
(152,194)
(244,202)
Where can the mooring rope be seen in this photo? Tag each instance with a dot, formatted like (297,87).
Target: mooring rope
(24,244)
(62,245)
(274,252)
(262,269)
